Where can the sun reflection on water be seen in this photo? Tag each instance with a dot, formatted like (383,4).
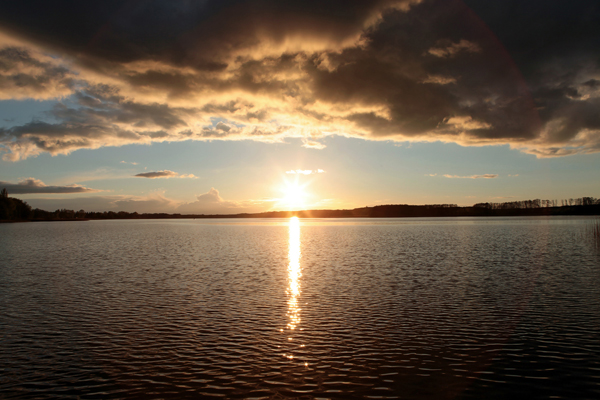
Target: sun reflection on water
(294,274)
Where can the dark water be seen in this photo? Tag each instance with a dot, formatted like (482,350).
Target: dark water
(343,309)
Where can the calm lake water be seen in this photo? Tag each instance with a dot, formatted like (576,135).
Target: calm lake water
(340,309)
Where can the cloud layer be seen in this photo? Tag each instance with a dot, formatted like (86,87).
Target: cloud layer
(416,70)
(32,186)
(156,202)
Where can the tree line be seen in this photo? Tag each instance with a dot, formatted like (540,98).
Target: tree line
(12,209)
(537,203)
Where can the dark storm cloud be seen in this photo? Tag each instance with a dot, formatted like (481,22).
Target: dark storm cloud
(22,76)
(538,31)
(524,73)
(555,45)
(99,118)
(32,186)
(398,69)
(593,83)
(193,33)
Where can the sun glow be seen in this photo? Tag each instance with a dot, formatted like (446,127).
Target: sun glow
(294,196)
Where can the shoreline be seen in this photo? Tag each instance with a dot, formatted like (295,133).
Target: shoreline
(16,221)
(292,214)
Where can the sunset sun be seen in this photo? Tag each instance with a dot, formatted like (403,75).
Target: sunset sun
(294,195)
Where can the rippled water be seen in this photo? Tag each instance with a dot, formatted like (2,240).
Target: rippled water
(340,309)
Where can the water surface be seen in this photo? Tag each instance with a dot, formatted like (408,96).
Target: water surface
(339,309)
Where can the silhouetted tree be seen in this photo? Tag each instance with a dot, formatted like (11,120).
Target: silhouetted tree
(14,209)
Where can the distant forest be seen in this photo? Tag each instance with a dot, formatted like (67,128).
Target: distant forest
(12,209)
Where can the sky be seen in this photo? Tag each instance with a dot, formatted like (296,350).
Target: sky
(235,106)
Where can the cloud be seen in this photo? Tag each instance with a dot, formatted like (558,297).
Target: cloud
(312,144)
(472,73)
(212,203)
(32,186)
(151,203)
(126,162)
(26,74)
(484,176)
(164,174)
(440,80)
(448,49)
(156,202)
(305,171)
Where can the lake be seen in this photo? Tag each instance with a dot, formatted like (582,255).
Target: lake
(433,308)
